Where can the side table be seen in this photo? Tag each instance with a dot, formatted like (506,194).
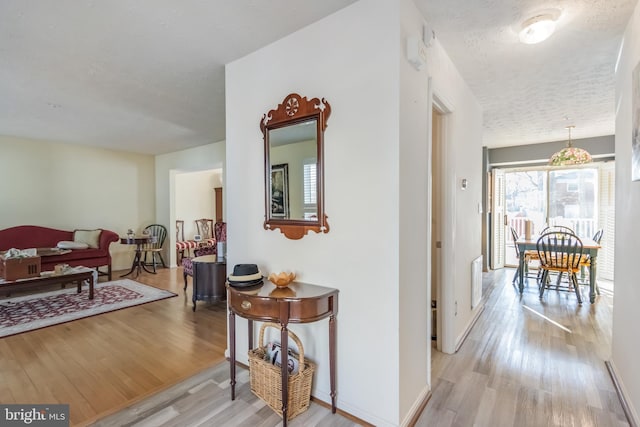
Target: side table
(298,303)
(209,276)
(137,265)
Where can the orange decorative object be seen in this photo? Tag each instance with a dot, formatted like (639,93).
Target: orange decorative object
(282,279)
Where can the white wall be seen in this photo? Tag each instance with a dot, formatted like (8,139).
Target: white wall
(414,200)
(462,223)
(377,201)
(69,186)
(168,166)
(351,59)
(195,198)
(626,314)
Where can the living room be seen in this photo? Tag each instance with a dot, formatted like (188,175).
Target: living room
(374,149)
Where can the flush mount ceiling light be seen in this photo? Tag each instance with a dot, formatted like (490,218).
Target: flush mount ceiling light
(570,155)
(537,29)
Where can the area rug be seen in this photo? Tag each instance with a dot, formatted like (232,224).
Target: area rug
(39,310)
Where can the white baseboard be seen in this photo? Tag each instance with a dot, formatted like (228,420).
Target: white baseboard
(473,321)
(416,409)
(629,411)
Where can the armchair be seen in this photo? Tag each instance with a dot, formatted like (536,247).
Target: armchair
(220,230)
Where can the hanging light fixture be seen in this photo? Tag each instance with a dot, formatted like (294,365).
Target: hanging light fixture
(570,155)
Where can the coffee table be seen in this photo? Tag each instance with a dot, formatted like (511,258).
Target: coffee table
(74,275)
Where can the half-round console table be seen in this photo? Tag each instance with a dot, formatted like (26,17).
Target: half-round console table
(298,303)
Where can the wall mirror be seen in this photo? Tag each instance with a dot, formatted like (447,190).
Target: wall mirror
(294,166)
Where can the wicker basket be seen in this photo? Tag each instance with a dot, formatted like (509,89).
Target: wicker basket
(266,379)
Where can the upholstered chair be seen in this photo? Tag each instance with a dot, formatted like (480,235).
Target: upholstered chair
(220,230)
(182,244)
(187,263)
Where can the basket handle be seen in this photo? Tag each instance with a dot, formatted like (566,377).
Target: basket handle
(293,336)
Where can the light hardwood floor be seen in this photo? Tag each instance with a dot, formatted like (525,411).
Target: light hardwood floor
(105,363)
(528,362)
(516,367)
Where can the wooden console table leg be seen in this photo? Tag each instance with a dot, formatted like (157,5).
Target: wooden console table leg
(284,354)
(232,353)
(332,361)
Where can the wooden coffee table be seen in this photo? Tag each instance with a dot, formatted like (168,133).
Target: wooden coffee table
(50,279)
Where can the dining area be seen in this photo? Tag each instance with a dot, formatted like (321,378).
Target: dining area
(562,260)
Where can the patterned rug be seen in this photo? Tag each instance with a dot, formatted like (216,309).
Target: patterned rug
(39,310)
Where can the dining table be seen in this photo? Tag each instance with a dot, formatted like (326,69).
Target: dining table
(589,247)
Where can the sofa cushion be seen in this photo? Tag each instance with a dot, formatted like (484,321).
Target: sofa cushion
(90,237)
(79,255)
(66,244)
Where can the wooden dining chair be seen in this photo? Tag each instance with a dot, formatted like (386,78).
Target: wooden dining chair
(560,252)
(158,234)
(205,231)
(528,256)
(183,245)
(585,261)
(550,228)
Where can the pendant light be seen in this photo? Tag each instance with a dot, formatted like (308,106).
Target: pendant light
(570,155)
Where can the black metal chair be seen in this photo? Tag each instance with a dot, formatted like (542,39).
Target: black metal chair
(158,234)
(560,252)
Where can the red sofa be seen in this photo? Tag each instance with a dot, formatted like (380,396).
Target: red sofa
(32,236)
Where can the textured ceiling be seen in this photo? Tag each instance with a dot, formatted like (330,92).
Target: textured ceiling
(144,75)
(530,93)
(148,75)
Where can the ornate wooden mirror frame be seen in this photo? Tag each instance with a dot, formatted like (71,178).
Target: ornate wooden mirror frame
(296,115)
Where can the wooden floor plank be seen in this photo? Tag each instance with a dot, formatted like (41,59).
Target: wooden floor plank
(520,366)
(163,364)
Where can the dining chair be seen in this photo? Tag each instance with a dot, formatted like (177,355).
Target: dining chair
(585,261)
(205,231)
(560,252)
(550,228)
(528,256)
(182,244)
(158,234)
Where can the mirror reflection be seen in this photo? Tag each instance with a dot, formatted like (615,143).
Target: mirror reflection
(294,167)
(293,157)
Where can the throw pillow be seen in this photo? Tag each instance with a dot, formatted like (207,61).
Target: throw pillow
(65,244)
(90,237)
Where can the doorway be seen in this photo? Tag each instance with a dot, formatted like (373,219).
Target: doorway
(436,225)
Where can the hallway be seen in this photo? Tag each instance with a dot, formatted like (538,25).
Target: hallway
(528,362)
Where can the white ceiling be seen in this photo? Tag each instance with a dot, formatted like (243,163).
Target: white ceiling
(144,76)
(527,91)
(148,75)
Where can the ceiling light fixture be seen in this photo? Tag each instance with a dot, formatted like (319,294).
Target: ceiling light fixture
(570,155)
(537,29)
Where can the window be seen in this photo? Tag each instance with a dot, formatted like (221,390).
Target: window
(310,189)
